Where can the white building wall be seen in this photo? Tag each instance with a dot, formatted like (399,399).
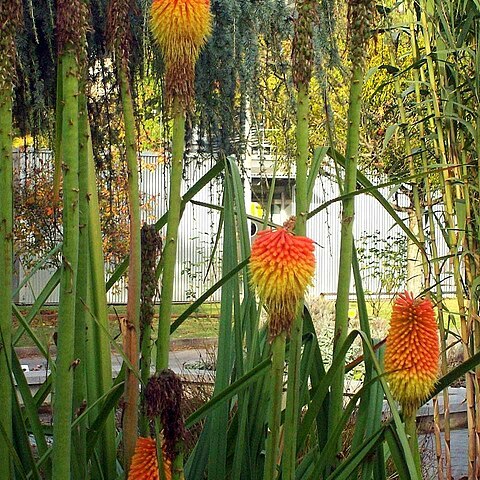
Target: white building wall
(199,227)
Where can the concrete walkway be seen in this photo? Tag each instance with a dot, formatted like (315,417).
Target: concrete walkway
(458,453)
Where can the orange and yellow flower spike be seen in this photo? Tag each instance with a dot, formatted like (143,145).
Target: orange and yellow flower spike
(412,352)
(282,266)
(181,29)
(144,461)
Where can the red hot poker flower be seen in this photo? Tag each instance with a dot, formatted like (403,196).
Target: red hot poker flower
(181,28)
(144,461)
(282,266)
(411,356)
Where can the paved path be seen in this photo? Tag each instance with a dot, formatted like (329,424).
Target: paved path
(459,453)
(193,361)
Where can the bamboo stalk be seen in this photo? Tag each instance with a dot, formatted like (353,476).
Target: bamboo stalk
(418,77)
(452,242)
(130,334)
(170,249)
(418,210)
(62,406)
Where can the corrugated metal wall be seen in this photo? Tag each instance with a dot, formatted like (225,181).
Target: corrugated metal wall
(370,217)
(199,227)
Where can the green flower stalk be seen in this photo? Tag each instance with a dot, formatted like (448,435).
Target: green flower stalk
(282,266)
(71,29)
(302,63)
(83,274)
(99,357)
(180,29)
(10,19)
(119,39)
(359,15)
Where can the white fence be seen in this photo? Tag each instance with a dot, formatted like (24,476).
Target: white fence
(199,226)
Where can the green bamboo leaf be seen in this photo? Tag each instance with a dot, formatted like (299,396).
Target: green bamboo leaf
(245,326)
(397,454)
(115,345)
(218,418)
(108,403)
(371,189)
(321,391)
(316,375)
(369,416)
(215,245)
(389,133)
(309,342)
(110,399)
(327,456)
(219,208)
(379,464)
(455,374)
(43,392)
(305,469)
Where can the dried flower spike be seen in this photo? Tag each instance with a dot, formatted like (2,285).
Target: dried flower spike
(144,461)
(181,28)
(282,266)
(411,357)
(163,399)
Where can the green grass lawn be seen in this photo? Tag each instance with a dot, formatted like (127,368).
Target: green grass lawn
(201,324)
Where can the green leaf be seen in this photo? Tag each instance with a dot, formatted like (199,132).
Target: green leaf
(389,133)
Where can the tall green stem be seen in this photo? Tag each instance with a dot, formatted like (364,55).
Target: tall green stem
(411,431)
(57,175)
(99,354)
(62,411)
(130,340)
(80,379)
(6,264)
(301,205)
(275,414)
(346,241)
(170,250)
(10,19)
